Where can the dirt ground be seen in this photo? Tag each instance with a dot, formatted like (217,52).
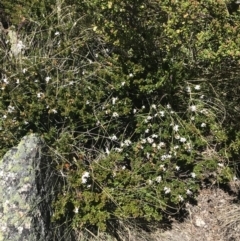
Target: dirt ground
(215,217)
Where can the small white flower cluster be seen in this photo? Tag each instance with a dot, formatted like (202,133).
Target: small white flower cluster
(162,113)
(196,87)
(193,108)
(118,149)
(126,143)
(158,179)
(47,79)
(40,95)
(161,145)
(113,138)
(114,99)
(167,190)
(180,197)
(10,109)
(76,209)
(181,139)
(166,156)
(85,177)
(163,167)
(154,106)
(193,175)
(20,46)
(176,128)
(54,111)
(115,114)
(189,192)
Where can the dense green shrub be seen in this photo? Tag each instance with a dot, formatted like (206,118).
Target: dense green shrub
(128,96)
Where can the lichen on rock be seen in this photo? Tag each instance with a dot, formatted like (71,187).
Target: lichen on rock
(25,191)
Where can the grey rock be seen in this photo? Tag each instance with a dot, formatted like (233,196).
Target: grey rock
(27,187)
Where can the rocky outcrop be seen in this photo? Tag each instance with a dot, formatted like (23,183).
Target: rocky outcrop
(27,188)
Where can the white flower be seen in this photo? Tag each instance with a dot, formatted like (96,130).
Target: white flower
(183,139)
(130,75)
(203,125)
(176,127)
(154,107)
(192,118)
(204,111)
(154,136)
(197,87)
(177,168)
(149,182)
(96,55)
(150,140)
(47,79)
(11,109)
(235,178)
(113,138)
(147,130)
(176,147)
(20,46)
(177,136)
(193,108)
(143,141)
(39,95)
(127,142)
(5,80)
(115,114)
(189,192)
(24,70)
(4,117)
(220,164)
(107,151)
(56,33)
(193,175)
(167,190)
(54,111)
(17,81)
(87,102)
(76,209)
(160,145)
(202,96)
(180,198)
(163,167)
(168,106)
(162,113)
(118,149)
(188,89)
(154,145)
(123,83)
(20,229)
(114,100)
(158,179)
(148,155)
(149,117)
(134,111)
(26,122)
(163,157)
(85,176)
(143,107)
